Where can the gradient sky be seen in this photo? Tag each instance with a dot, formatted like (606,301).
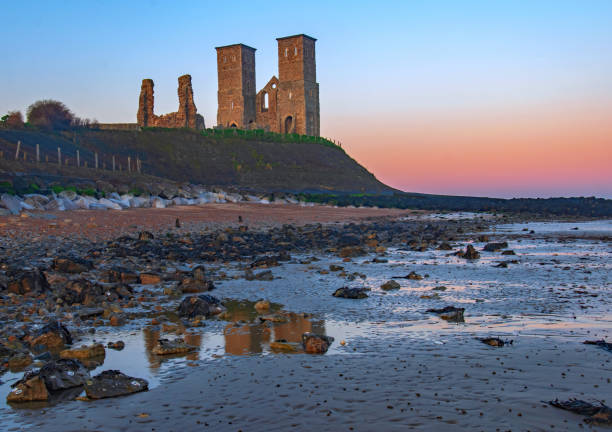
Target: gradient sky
(497,98)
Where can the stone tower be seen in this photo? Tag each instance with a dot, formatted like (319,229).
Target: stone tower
(298,90)
(236,95)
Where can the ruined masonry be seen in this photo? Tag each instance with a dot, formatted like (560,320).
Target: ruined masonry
(185,117)
(287,104)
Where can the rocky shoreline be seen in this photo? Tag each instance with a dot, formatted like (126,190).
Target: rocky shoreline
(56,294)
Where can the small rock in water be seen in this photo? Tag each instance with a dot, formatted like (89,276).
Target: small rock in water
(600,343)
(315,343)
(449,313)
(204,305)
(351,293)
(596,414)
(470,253)
(390,285)
(262,305)
(119,345)
(113,383)
(495,342)
(412,276)
(265,275)
(177,346)
(494,247)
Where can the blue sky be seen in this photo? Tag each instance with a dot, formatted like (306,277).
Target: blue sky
(381,65)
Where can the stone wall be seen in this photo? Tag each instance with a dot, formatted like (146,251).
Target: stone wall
(185,117)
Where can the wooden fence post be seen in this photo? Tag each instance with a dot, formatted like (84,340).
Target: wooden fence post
(17,152)
(78,159)
(96,159)
(37,153)
(113,162)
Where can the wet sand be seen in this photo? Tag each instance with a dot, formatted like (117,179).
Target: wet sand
(108,224)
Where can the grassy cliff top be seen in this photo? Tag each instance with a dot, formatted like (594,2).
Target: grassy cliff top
(244,159)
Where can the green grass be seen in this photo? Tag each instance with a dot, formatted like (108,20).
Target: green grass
(262,135)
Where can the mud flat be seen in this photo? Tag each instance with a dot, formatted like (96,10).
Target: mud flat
(392,365)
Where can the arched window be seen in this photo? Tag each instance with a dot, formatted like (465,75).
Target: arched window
(286,52)
(224,59)
(232,105)
(295,51)
(290,94)
(265,102)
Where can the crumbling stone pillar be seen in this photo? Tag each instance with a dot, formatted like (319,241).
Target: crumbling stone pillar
(145,115)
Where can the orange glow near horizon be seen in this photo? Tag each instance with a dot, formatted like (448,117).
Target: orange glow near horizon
(543,151)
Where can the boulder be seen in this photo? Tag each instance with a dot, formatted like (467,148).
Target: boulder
(12,203)
(71,265)
(54,335)
(29,389)
(351,293)
(113,383)
(85,352)
(204,305)
(81,291)
(27,281)
(19,361)
(177,346)
(315,343)
(63,374)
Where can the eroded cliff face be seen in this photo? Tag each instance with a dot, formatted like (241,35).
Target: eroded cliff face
(186,116)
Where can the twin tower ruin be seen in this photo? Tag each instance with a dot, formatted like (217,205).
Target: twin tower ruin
(287,104)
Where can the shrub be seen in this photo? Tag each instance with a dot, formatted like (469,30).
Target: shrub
(50,115)
(13,120)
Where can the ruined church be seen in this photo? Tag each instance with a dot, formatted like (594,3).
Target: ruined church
(287,104)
